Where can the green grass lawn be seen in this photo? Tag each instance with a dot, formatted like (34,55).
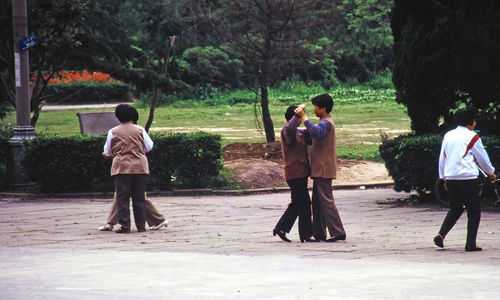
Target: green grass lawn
(359,115)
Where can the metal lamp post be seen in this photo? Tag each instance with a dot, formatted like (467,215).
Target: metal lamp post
(23,129)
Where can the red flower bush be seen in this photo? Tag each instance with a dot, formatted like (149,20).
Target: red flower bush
(69,77)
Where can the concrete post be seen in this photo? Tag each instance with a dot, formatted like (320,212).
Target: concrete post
(23,129)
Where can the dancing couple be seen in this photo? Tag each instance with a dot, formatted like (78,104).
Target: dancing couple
(310,152)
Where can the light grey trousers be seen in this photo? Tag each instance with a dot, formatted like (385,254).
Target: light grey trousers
(325,213)
(153,216)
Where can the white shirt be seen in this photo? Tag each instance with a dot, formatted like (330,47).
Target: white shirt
(460,148)
(148,143)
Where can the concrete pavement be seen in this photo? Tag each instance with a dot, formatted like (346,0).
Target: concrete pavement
(221,247)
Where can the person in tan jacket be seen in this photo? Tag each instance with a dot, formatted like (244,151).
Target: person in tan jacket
(323,170)
(127,144)
(154,218)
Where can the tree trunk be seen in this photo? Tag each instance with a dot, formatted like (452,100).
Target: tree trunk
(37,89)
(264,83)
(36,114)
(157,90)
(264,103)
(154,102)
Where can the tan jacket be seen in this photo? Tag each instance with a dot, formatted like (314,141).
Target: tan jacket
(324,154)
(127,147)
(295,159)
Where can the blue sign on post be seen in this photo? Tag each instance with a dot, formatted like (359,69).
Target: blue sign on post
(28,42)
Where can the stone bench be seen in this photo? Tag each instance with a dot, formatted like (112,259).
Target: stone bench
(97,123)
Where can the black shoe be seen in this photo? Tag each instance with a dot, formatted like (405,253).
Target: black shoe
(122,230)
(141,230)
(336,238)
(438,241)
(473,249)
(281,234)
(309,240)
(320,238)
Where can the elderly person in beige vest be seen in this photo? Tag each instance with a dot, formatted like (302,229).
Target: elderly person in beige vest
(154,218)
(128,143)
(323,156)
(296,165)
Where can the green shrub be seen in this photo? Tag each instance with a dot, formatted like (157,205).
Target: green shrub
(74,163)
(185,160)
(4,150)
(492,145)
(381,81)
(87,92)
(210,66)
(412,161)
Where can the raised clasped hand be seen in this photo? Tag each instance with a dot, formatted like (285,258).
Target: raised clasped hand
(493,177)
(300,110)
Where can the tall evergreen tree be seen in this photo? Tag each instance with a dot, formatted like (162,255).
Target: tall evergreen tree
(447,55)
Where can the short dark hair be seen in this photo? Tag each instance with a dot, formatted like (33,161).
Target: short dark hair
(465,116)
(135,115)
(125,112)
(290,112)
(323,100)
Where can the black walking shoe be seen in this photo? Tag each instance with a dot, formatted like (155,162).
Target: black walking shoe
(336,238)
(122,230)
(473,249)
(281,234)
(438,241)
(309,240)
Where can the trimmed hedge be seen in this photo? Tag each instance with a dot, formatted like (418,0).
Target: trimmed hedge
(185,160)
(87,93)
(74,163)
(4,151)
(412,161)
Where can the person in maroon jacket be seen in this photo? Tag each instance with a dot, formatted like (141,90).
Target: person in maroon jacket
(296,165)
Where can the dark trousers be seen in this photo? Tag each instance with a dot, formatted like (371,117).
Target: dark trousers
(126,186)
(325,213)
(463,193)
(300,207)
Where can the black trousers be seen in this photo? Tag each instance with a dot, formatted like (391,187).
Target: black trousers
(299,207)
(463,193)
(126,186)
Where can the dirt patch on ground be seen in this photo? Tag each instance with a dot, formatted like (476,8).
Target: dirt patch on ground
(260,165)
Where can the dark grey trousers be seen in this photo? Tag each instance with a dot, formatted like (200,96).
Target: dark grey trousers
(126,186)
(463,193)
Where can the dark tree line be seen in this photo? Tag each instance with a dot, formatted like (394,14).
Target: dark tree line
(447,56)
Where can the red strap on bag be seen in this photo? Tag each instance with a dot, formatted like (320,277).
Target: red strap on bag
(471,144)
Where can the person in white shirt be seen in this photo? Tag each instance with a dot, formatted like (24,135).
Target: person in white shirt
(461,149)
(127,144)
